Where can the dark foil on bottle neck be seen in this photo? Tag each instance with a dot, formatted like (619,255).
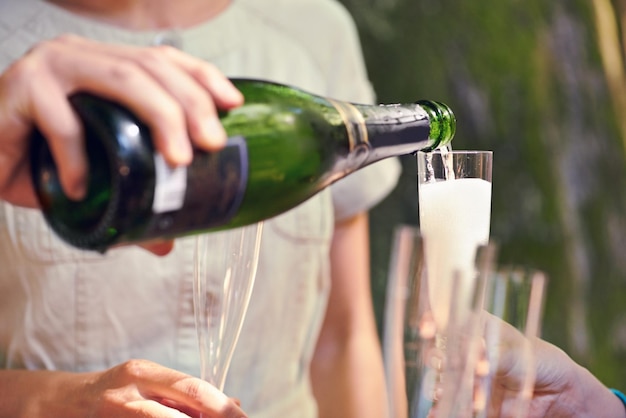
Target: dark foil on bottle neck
(402,128)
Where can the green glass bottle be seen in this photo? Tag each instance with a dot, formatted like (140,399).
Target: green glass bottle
(284,146)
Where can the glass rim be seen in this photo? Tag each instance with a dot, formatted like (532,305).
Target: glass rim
(438,151)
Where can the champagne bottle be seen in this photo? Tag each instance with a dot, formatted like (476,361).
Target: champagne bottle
(284,146)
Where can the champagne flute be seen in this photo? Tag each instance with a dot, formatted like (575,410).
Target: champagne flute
(454,211)
(224,274)
(454,190)
(514,305)
(429,370)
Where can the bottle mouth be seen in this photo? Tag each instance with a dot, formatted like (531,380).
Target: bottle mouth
(442,122)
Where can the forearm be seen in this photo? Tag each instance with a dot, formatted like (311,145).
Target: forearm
(135,388)
(36,394)
(347,369)
(348,383)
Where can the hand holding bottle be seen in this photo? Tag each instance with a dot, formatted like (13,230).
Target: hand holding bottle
(176,94)
(136,388)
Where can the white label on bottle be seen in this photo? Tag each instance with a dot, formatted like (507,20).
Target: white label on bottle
(170,187)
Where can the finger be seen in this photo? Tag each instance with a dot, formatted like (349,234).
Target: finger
(201,396)
(153,409)
(198,86)
(159,248)
(203,124)
(63,132)
(156,247)
(179,407)
(30,96)
(188,392)
(224,92)
(127,83)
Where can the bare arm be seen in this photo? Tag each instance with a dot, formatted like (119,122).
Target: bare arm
(347,370)
(134,389)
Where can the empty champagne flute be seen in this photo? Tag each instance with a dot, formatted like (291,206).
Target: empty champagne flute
(513,305)
(454,190)
(224,274)
(429,368)
(402,296)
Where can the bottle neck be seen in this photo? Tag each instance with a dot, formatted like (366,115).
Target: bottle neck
(376,132)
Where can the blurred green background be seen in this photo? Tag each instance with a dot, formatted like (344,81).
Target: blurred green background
(542,84)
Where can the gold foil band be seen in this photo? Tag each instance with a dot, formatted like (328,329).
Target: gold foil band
(354,121)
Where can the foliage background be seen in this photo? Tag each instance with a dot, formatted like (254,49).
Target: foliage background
(542,84)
